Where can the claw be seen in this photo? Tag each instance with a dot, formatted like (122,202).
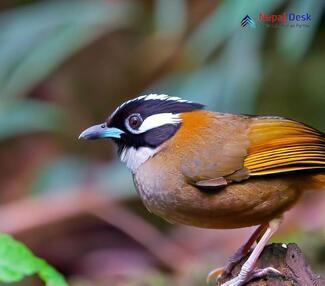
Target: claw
(214,274)
(242,279)
(263,272)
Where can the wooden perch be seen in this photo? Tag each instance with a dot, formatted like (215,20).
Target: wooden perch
(289,260)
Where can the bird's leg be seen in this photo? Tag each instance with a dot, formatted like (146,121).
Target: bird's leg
(248,270)
(237,256)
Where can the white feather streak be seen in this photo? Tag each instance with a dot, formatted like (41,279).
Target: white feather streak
(134,158)
(151,97)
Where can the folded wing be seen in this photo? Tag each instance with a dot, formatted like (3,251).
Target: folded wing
(280,145)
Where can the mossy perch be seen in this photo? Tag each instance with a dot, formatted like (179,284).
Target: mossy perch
(286,258)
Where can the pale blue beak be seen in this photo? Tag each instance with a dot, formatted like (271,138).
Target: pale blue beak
(101,131)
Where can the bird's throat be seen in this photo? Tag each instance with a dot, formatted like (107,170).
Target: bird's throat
(134,158)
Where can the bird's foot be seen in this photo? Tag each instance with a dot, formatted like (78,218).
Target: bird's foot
(246,276)
(248,270)
(223,272)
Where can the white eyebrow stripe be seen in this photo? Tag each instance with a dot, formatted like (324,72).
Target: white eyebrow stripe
(159,119)
(154,121)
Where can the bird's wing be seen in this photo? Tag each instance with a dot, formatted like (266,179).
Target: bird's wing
(280,145)
(214,146)
(277,145)
(245,146)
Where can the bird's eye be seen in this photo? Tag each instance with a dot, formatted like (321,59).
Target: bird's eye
(135,121)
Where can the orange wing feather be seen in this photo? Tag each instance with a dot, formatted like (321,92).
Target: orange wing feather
(281,145)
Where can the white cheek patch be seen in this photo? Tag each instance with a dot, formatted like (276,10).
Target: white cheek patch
(154,121)
(157,120)
(134,158)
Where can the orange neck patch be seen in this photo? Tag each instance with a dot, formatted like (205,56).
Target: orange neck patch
(191,123)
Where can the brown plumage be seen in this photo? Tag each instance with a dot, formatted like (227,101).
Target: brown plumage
(216,170)
(258,188)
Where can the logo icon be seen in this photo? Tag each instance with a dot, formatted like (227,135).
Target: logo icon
(248,21)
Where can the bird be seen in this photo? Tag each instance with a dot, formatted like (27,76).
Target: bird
(216,170)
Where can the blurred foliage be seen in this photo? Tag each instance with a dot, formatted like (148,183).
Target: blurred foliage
(29,51)
(314,247)
(17,261)
(65,65)
(25,116)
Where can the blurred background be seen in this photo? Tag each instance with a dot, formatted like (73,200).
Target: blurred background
(65,65)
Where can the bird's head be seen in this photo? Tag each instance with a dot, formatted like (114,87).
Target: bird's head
(141,125)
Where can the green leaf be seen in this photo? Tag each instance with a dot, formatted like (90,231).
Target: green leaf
(25,116)
(37,38)
(17,261)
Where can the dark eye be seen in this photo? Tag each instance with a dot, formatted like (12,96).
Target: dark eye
(135,121)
